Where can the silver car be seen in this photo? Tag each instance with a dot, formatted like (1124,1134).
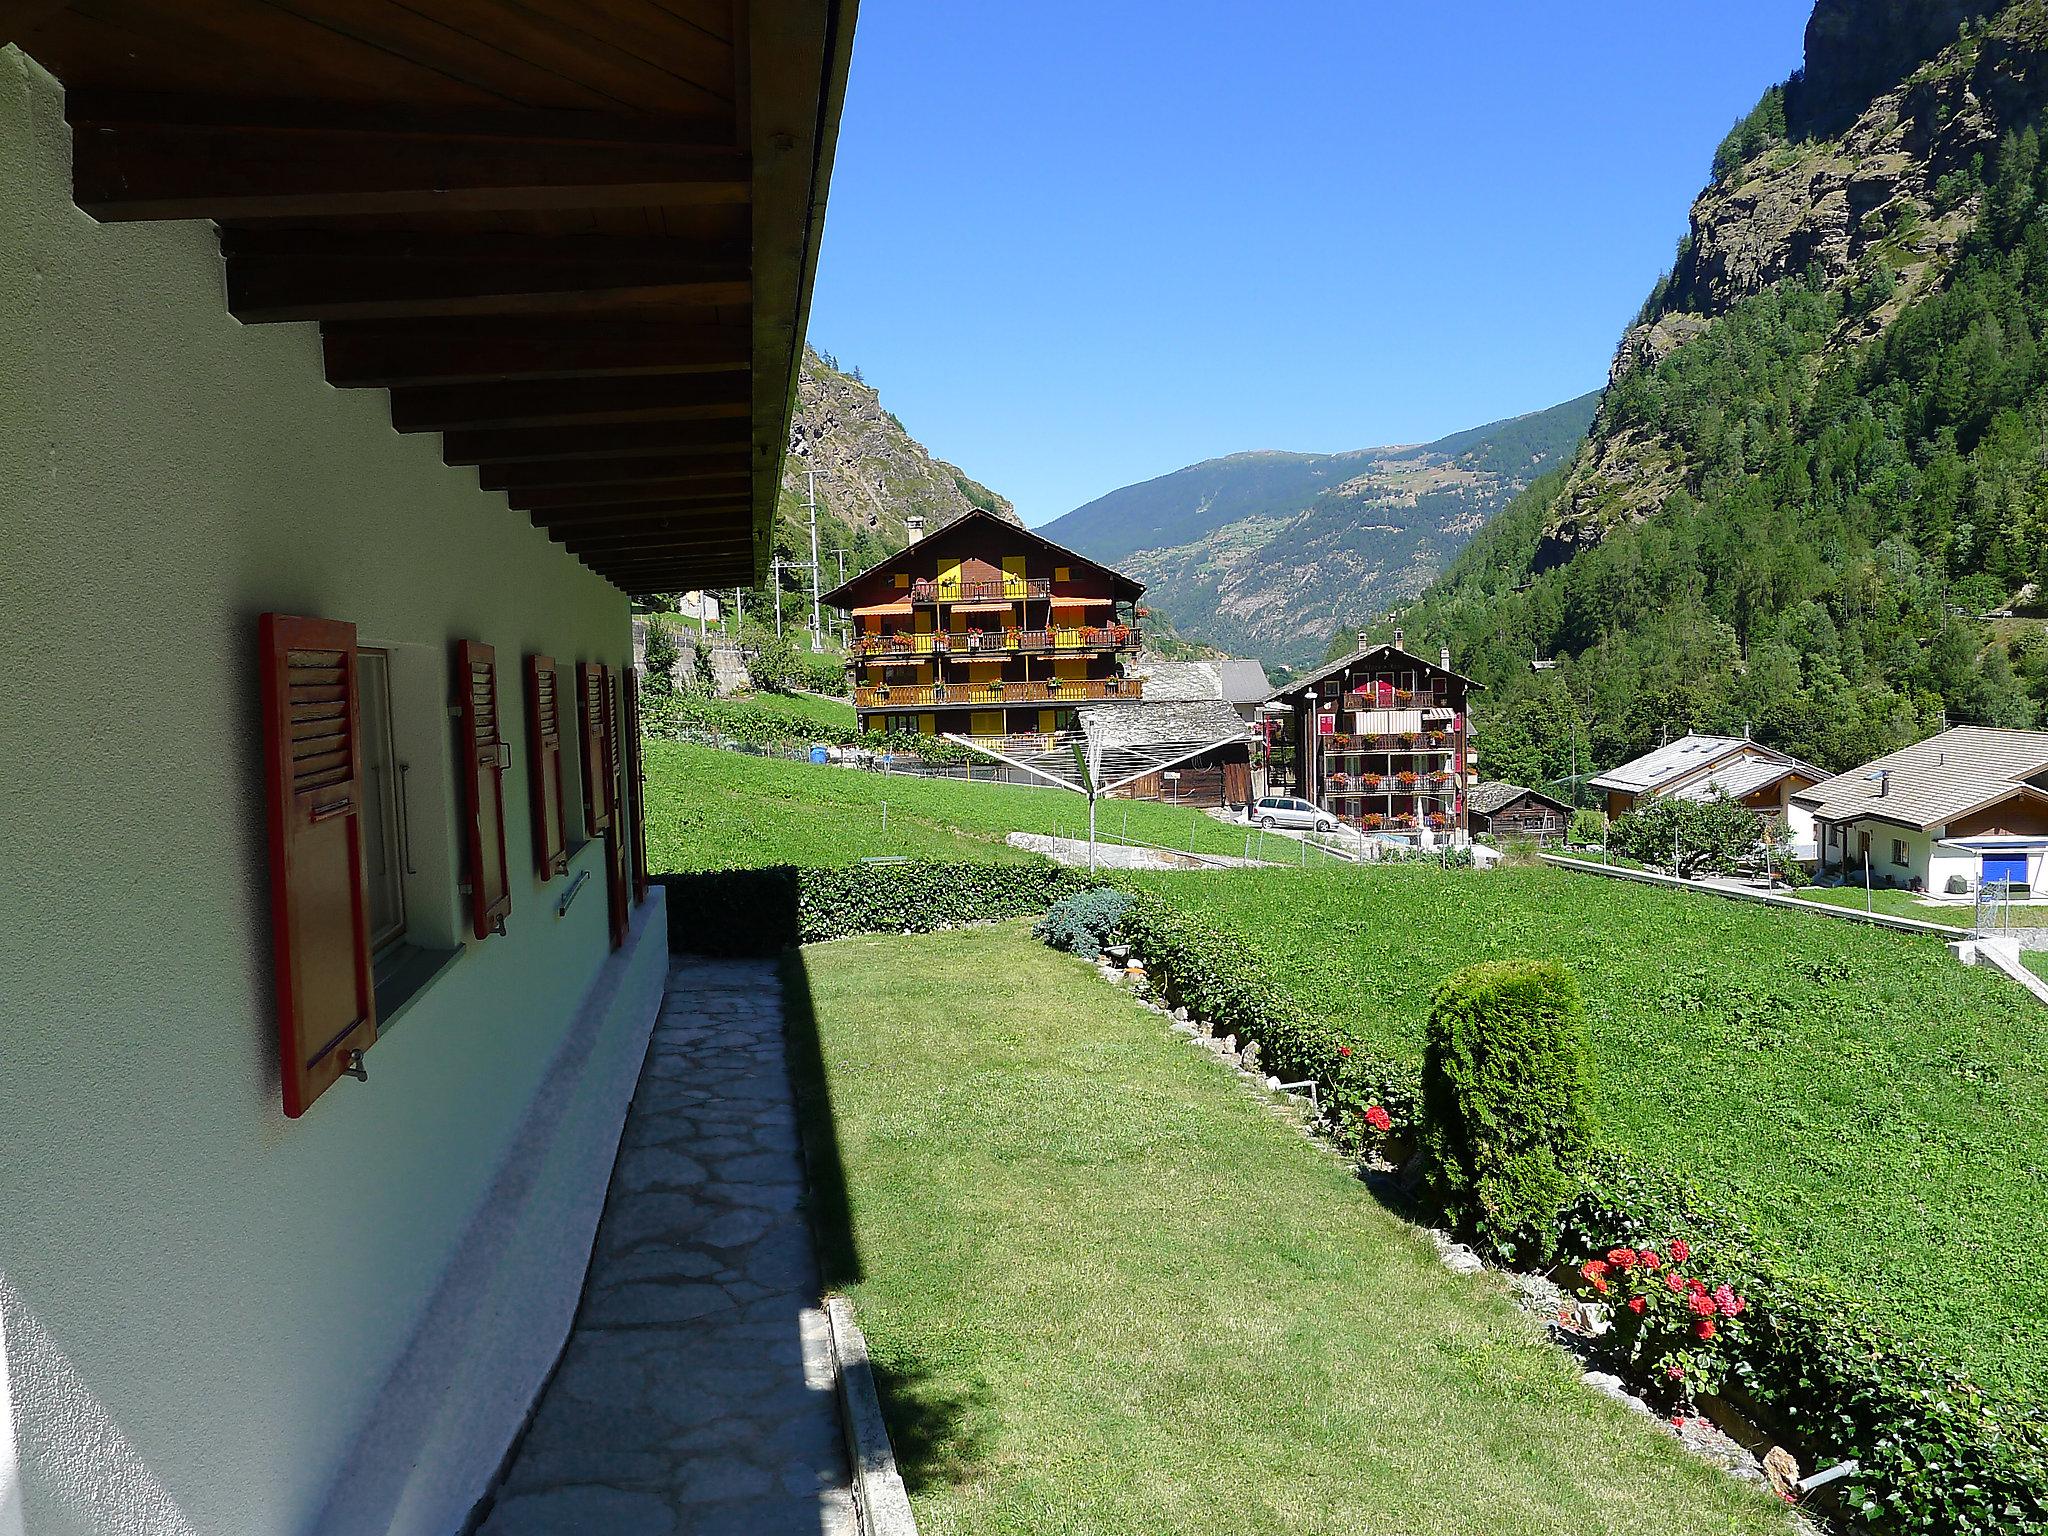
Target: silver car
(1299,815)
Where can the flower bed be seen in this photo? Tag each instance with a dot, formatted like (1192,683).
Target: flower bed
(1823,1373)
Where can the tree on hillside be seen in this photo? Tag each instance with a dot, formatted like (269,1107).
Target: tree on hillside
(662,655)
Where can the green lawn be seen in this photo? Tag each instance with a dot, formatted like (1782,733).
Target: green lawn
(1906,904)
(1877,1112)
(1107,1292)
(708,809)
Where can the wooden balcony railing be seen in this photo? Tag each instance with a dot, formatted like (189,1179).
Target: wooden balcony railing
(1420,743)
(1000,642)
(1055,691)
(1007,589)
(1395,698)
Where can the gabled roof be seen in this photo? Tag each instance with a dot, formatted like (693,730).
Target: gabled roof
(1743,776)
(1676,763)
(1244,682)
(1935,781)
(841,595)
(1302,684)
(1485,799)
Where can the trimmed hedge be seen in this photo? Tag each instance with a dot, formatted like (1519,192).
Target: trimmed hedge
(1936,1456)
(765,911)
(1507,1088)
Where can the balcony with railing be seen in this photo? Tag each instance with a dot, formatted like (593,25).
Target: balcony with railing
(999,642)
(1396,698)
(1405,743)
(1004,589)
(1051,691)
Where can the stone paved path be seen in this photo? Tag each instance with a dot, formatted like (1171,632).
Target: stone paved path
(695,1397)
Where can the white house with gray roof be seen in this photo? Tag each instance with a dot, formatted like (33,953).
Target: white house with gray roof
(1945,815)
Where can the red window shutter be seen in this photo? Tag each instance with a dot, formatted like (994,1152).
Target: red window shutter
(615,839)
(485,757)
(544,766)
(597,805)
(639,786)
(319,903)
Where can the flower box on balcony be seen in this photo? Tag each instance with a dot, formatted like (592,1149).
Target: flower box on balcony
(1406,780)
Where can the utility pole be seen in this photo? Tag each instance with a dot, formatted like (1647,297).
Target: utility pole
(775,590)
(817,623)
(841,553)
(739,601)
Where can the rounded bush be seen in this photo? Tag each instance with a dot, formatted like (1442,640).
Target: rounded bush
(1507,1094)
(1081,923)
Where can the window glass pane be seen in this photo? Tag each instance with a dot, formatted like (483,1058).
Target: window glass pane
(382,858)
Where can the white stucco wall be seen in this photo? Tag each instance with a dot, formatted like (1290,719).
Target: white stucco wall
(217,1320)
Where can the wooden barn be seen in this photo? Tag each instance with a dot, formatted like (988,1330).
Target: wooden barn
(1509,810)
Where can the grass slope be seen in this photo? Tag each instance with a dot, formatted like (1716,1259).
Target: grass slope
(708,809)
(1878,1112)
(1107,1292)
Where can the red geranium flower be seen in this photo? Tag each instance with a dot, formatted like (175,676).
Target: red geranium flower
(1593,1269)
(1702,1306)
(1622,1258)
(1343,1050)
(1675,1372)
(1649,1258)
(1378,1118)
(1704,1328)
(1680,1250)
(1727,1303)
(1675,1280)
(1636,1305)
(1697,1286)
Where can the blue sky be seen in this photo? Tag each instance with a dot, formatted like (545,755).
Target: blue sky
(1077,245)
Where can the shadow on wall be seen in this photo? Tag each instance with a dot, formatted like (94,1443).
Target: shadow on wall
(938,1436)
(76,1468)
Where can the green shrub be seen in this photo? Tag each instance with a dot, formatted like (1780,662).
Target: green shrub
(764,911)
(1700,836)
(1081,924)
(1588,828)
(1507,1093)
(662,655)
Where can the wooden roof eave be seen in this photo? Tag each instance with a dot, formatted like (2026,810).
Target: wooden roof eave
(568,239)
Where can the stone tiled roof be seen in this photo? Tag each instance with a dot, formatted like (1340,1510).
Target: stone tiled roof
(1935,781)
(1485,799)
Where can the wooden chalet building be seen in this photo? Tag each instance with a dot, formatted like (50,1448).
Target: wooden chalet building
(1509,810)
(1382,740)
(984,629)
(366,360)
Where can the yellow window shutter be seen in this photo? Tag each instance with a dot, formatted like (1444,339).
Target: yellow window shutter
(1045,719)
(988,722)
(903,581)
(1063,573)
(928,724)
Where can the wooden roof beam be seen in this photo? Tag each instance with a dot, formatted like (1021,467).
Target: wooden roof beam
(404,279)
(684,397)
(704,464)
(681,492)
(569,524)
(548,445)
(363,355)
(138,157)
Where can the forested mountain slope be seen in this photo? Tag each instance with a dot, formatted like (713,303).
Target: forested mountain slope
(1261,553)
(1824,451)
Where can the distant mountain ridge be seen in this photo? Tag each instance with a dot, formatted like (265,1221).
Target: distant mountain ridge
(1264,553)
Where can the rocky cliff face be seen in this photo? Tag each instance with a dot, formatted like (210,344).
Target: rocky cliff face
(1874,203)
(872,476)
